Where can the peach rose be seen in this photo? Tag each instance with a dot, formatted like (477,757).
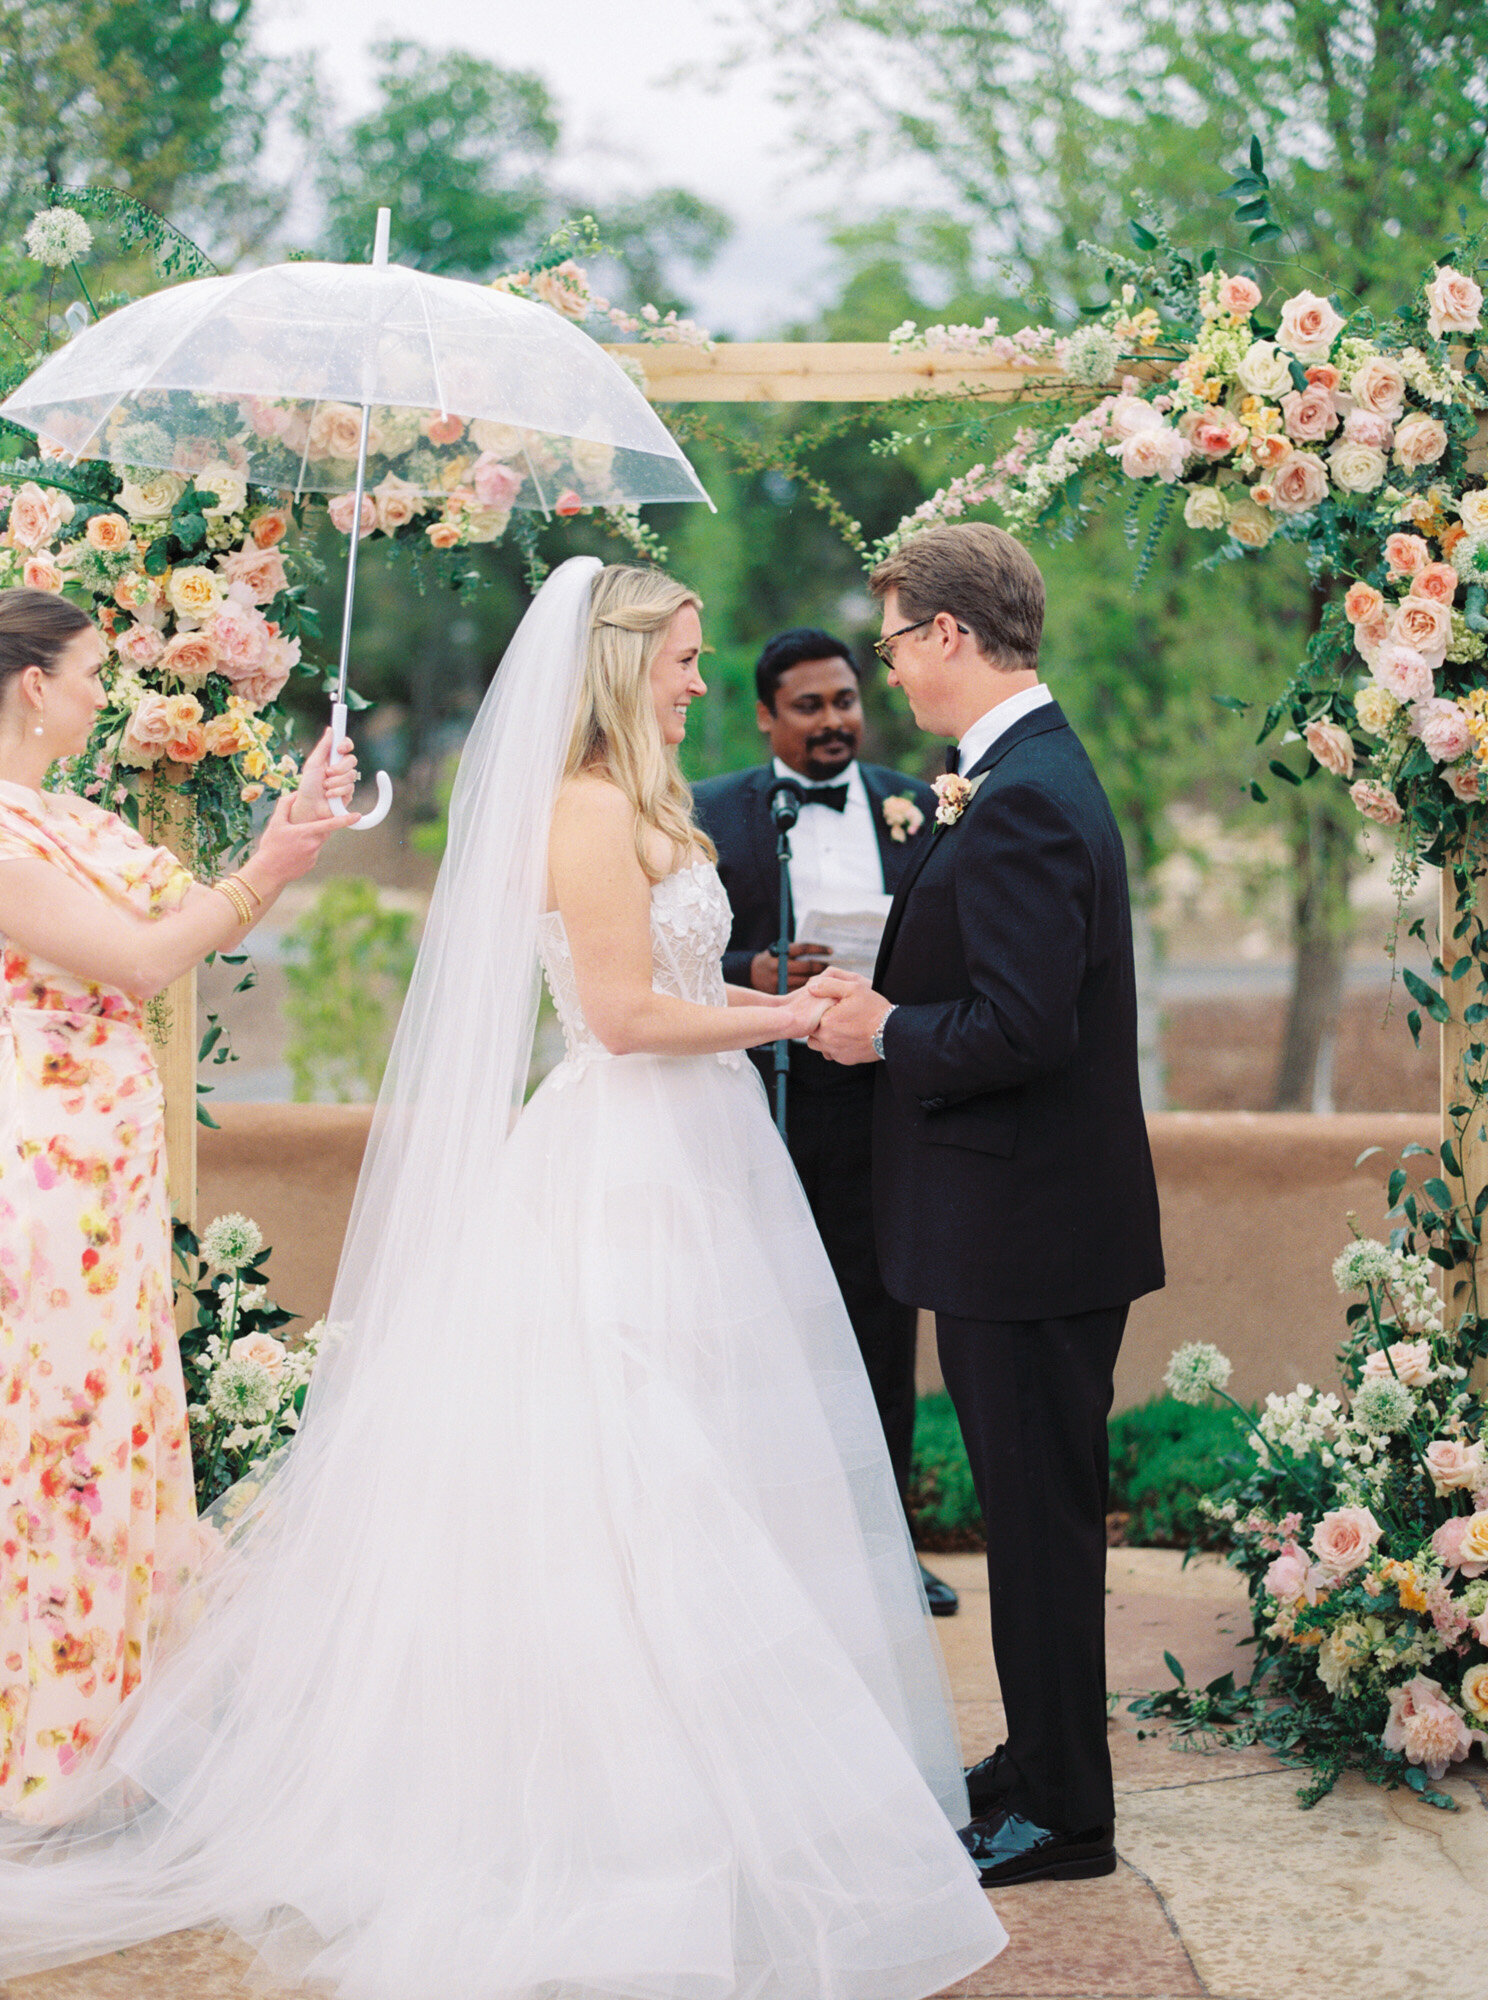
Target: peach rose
(1424,623)
(1379,385)
(1438,581)
(109,532)
(1357,468)
(228,736)
(36,513)
(187,746)
(397,501)
(139,645)
(1292,1576)
(1363,601)
(1442,728)
(136,591)
(568,502)
(1239,296)
(441,428)
(565,288)
(269,527)
(494,482)
(1370,633)
(259,573)
(1362,426)
(194,592)
(1250,525)
(1466,783)
(1426,1728)
(1453,302)
(335,431)
(1310,415)
(146,732)
(1333,747)
(1323,375)
(340,508)
(190,656)
(264,1349)
(443,534)
(1406,554)
(1299,484)
(1419,440)
(1411,1361)
(1453,1465)
(1475,1691)
(1309,327)
(1375,803)
(1267,452)
(1343,1539)
(1403,672)
(39,572)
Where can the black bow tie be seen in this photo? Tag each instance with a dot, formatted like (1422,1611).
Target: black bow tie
(834,796)
(953,758)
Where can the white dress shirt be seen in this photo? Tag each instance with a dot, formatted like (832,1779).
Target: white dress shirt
(833,851)
(985,731)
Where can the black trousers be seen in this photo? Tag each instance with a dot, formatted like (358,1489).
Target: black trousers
(1032,1397)
(829,1130)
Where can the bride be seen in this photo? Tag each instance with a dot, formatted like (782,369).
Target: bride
(576,1651)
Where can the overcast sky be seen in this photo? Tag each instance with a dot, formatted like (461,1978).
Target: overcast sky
(625,127)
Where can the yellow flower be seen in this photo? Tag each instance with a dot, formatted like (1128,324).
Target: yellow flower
(1407,1585)
(255,764)
(1474,1544)
(193,591)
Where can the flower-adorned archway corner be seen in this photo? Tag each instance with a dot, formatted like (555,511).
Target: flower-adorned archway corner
(199,580)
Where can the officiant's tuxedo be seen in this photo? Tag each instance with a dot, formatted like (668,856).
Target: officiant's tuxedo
(829,1108)
(1014,1195)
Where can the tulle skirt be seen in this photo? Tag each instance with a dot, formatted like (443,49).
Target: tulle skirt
(578,1650)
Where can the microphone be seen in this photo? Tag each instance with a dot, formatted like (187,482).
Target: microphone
(785,805)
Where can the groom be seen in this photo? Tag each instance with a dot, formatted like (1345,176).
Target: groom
(1013,1186)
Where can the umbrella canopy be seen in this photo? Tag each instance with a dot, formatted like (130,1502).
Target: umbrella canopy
(268,373)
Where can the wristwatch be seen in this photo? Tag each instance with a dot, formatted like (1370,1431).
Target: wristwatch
(878,1048)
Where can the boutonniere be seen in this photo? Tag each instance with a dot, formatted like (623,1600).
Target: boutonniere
(902,817)
(955,794)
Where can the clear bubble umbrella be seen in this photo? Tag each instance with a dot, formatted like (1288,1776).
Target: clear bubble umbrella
(356,379)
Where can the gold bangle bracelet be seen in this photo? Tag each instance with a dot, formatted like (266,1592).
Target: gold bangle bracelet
(242,909)
(243,883)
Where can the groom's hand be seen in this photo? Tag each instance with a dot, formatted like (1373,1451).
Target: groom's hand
(845,1032)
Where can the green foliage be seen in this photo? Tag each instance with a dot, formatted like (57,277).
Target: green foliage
(942,1502)
(1165,1456)
(347,964)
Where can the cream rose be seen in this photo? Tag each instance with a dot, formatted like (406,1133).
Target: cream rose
(1409,1361)
(1309,327)
(1425,623)
(230,488)
(1264,370)
(151,499)
(1475,1691)
(1454,1466)
(194,592)
(336,431)
(1239,296)
(1299,484)
(1309,414)
(1419,440)
(1472,510)
(397,501)
(1376,708)
(1474,1543)
(1148,454)
(270,1354)
(109,532)
(1453,302)
(1205,508)
(592,459)
(1343,1539)
(1376,803)
(1332,746)
(1379,385)
(500,440)
(1357,468)
(1250,525)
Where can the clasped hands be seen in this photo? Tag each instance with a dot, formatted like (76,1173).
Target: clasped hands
(852,1016)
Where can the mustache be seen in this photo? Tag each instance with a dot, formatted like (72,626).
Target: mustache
(826,737)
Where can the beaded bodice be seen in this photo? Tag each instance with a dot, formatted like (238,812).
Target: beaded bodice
(690,924)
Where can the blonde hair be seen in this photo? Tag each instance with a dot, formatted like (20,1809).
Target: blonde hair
(615,730)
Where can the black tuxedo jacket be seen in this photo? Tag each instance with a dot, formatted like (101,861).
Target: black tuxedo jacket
(734,812)
(1011,1172)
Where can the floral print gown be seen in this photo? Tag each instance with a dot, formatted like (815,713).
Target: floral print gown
(97,1508)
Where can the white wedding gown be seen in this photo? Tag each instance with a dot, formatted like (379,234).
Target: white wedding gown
(623,1689)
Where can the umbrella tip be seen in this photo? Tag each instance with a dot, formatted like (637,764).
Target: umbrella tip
(380,240)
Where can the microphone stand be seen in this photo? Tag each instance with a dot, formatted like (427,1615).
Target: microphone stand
(785,810)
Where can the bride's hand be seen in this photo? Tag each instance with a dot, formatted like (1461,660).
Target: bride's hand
(800,1013)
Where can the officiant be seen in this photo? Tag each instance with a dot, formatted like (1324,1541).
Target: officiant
(859,827)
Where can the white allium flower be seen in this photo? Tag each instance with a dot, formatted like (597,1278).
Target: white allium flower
(1196,1370)
(1093,354)
(57,237)
(1362,1264)
(1383,1406)
(243,1392)
(231,1242)
(1470,558)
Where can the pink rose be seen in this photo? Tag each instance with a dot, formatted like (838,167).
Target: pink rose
(1309,327)
(190,656)
(1453,302)
(263,683)
(1154,454)
(1376,803)
(397,501)
(146,732)
(1367,427)
(1411,1359)
(1310,415)
(139,645)
(1363,601)
(1379,385)
(1404,673)
(1424,623)
(1323,375)
(565,288)
(1292,1576)
(258,572)
(1466,783)
(1299,484)
(1406,554)
(1447,1543)
(1370,632)
(1343,1539)
(36,513)
(1333,747)
(495,484)
(1437,580)
(1453,1465)
(1239,296)
(39,572)
(1426,1727)
(240,636)
(340,513)
(1419,440)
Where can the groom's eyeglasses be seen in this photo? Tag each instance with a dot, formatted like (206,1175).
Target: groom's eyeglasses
(884,647)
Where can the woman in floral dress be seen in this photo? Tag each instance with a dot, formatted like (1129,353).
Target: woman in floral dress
(97,1511)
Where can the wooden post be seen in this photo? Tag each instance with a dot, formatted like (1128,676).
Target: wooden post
(166,818)
(1472,1147)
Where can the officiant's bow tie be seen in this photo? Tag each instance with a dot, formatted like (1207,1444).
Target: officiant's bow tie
(834,796)
(953,759)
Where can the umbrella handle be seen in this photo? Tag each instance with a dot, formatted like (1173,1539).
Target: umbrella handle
(379,812)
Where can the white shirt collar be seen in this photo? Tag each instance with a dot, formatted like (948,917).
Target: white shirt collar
(985,731)
(846,776)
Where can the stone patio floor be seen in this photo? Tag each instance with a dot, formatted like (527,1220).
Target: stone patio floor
(1225,1889)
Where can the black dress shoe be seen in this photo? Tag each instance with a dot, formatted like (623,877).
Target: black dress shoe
(1008,1848)
(988,1783)
(943,1601)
